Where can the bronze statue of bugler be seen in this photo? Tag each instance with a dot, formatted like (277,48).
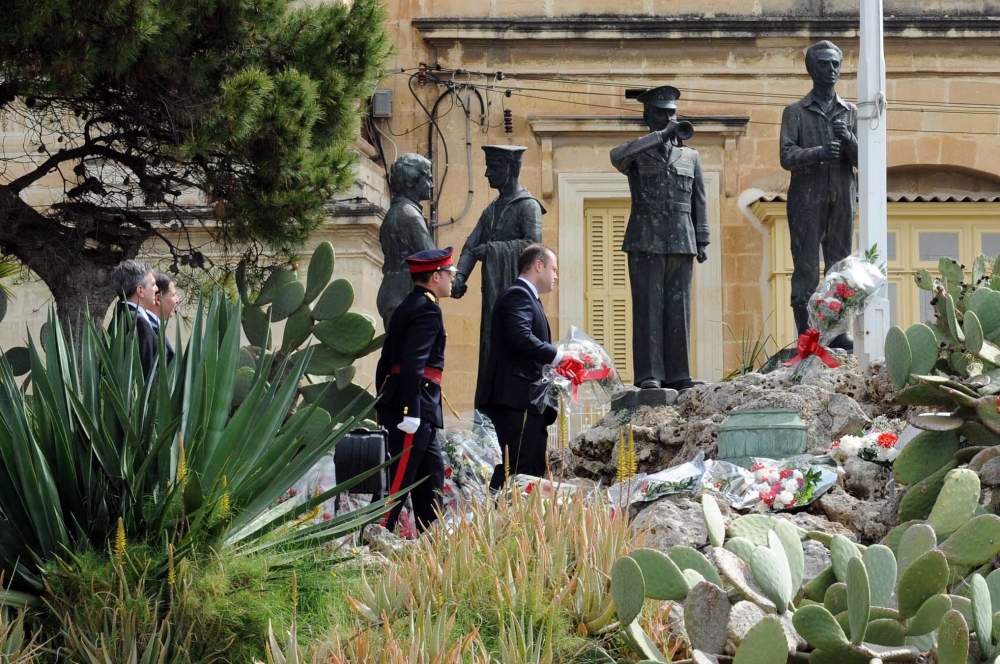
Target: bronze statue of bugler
(666,232)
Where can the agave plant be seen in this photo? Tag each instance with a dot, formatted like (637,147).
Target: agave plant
(94,451)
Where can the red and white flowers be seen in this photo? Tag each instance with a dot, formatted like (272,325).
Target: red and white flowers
(877,446)
(783,488)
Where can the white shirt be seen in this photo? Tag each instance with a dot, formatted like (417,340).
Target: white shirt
(140,311)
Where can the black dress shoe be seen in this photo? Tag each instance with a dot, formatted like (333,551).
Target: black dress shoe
(684,384)
(843,341)
(649,384)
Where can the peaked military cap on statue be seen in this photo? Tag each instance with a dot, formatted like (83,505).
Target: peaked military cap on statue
(431,260)
(664,96)
(509,152)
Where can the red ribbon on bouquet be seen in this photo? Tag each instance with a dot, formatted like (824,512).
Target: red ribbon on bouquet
(577,373)
(808,344)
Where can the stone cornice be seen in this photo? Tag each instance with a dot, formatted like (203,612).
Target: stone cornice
(616,27)
(548,125)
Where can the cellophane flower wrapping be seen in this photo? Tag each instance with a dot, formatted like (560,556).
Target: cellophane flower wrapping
(684,478)
(590,380)
(471,451)
(844,294)
(879,444)
(728,480)
(788,483)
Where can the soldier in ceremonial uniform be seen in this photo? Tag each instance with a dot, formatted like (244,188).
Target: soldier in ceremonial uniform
(409,379)
(667,229)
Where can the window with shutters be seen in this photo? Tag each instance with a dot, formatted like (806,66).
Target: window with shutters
(609,304)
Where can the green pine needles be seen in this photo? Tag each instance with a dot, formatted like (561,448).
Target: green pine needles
(140,105)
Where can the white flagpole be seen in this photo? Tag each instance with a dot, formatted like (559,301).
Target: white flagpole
(871,327)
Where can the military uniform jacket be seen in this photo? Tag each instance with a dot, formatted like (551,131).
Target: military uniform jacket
(669,214)
(414,342)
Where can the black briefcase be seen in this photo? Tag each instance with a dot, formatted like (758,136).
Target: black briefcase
(360,451)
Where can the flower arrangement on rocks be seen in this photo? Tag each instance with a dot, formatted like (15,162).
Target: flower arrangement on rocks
(781,488)
(878,445)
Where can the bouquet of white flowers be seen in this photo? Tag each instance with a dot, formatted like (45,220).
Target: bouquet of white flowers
(879,445)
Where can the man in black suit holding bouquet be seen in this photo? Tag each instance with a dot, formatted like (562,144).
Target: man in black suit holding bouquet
(520,345)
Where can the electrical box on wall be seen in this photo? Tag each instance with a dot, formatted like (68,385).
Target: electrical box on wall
(382,104)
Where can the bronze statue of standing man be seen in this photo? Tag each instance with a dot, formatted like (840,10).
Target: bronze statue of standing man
(403,231)
(511,222)
(667,229)
(819,145)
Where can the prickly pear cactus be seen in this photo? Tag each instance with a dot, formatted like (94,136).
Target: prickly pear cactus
(18,358)
(316,314)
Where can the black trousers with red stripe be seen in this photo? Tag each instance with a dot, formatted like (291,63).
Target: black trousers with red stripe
(421,460)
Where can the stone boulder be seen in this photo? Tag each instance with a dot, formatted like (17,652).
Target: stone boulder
(826,400)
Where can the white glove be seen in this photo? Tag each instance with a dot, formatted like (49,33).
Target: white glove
(409,424)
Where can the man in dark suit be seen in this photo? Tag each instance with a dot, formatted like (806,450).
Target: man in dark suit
(409,379)
(167,299)
(135,285)
(520,345)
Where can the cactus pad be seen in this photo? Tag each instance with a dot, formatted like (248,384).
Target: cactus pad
(790,542)
(982,613)
(919,500)
(973,332)
(738,574)
(927,453)
(279,277)
(922,395)
(255,325)
(325,361)
(765,643)
(662,577)
(956,503)
(923,348)
(859,600)
(244,381)
(928,616)
(898,357)
(628,589)
(953,639)
(886,632)
(816,589)
(936,422)
(835,599)
(881,566)
(687,558)
(19,359)
(753,527)
(975,543)
(298,329)
(335,301)
(714,523)
(640,643)
(818,626)
(349,334)
(287,300)
(320,270)
(742,547)
(770,569)
(926,576)
(841,552)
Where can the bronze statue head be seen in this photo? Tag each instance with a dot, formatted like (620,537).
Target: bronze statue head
(823,60)
(503,163)
(659,106)
(410,176)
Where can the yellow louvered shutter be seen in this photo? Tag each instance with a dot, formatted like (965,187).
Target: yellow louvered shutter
(609,302)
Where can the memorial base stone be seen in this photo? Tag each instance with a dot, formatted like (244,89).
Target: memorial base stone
(653,398)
